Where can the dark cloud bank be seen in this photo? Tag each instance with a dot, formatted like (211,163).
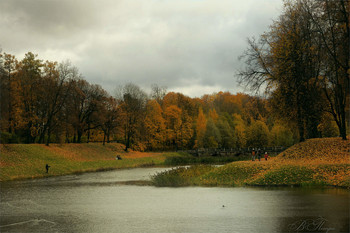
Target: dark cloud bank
(188,46)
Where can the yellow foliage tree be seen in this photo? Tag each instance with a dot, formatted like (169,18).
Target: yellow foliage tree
(213,115)
(281,136)
(240,136)
(155,125)
(200,128)
(173,125)
(186,130)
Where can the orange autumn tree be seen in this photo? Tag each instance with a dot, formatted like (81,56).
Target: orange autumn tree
(200,128)
(154,125)
(169,99)
(226,102)
(172,115)
(213,115)
(186,131)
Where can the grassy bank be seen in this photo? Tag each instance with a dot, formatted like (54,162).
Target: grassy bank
(21,161)
(316,162)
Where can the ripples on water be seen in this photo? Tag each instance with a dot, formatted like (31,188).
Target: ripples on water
(100,202)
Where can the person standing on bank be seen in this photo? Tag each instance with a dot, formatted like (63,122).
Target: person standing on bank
(253,155)
(266,156)
(47,168)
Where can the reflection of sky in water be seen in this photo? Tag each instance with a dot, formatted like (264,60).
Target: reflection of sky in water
(77,204)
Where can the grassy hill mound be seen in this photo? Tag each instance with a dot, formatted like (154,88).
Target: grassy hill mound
(19,161)
(315,162)
(330,150)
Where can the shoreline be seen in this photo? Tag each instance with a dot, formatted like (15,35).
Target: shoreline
(313,163)
(150,182)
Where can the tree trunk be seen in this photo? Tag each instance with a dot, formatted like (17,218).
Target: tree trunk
(48,137)
(10,105)
(79,133)
(108,133)
(300,119)
(88,137)
(343,125)
(127,143)
(42,135)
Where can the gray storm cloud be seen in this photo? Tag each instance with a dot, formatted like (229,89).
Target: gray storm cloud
(188,46)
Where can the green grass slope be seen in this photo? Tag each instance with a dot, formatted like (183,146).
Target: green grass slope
(21,161)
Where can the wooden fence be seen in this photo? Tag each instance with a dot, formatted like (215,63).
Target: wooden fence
(232,151)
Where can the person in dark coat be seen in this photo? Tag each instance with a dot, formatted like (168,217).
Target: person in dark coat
(47,168)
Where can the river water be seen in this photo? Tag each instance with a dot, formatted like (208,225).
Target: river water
(98,202)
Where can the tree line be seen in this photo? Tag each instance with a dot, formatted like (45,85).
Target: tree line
(46,102)
(302,61)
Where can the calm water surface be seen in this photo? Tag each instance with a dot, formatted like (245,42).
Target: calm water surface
(97,202)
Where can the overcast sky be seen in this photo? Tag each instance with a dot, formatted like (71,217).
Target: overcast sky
(188,46)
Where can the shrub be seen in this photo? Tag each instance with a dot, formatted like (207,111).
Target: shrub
(182,176)
(8,138)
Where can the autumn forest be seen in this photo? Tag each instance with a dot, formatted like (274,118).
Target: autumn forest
(300,67)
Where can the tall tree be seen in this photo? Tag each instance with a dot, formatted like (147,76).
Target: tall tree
(287,61)
(173,125)
(213,115)
(212,137)
(186,131)
(239,134)
(155,125)
(29,77)
(8,67)
(133,102)
(201,125)
(257,134)
(226,132)
(56,87)
(332,28)
(158,93)
(85,101)
(109,116)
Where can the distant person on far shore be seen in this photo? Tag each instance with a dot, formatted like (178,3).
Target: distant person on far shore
(253,155)
(266,156)
(47,168)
